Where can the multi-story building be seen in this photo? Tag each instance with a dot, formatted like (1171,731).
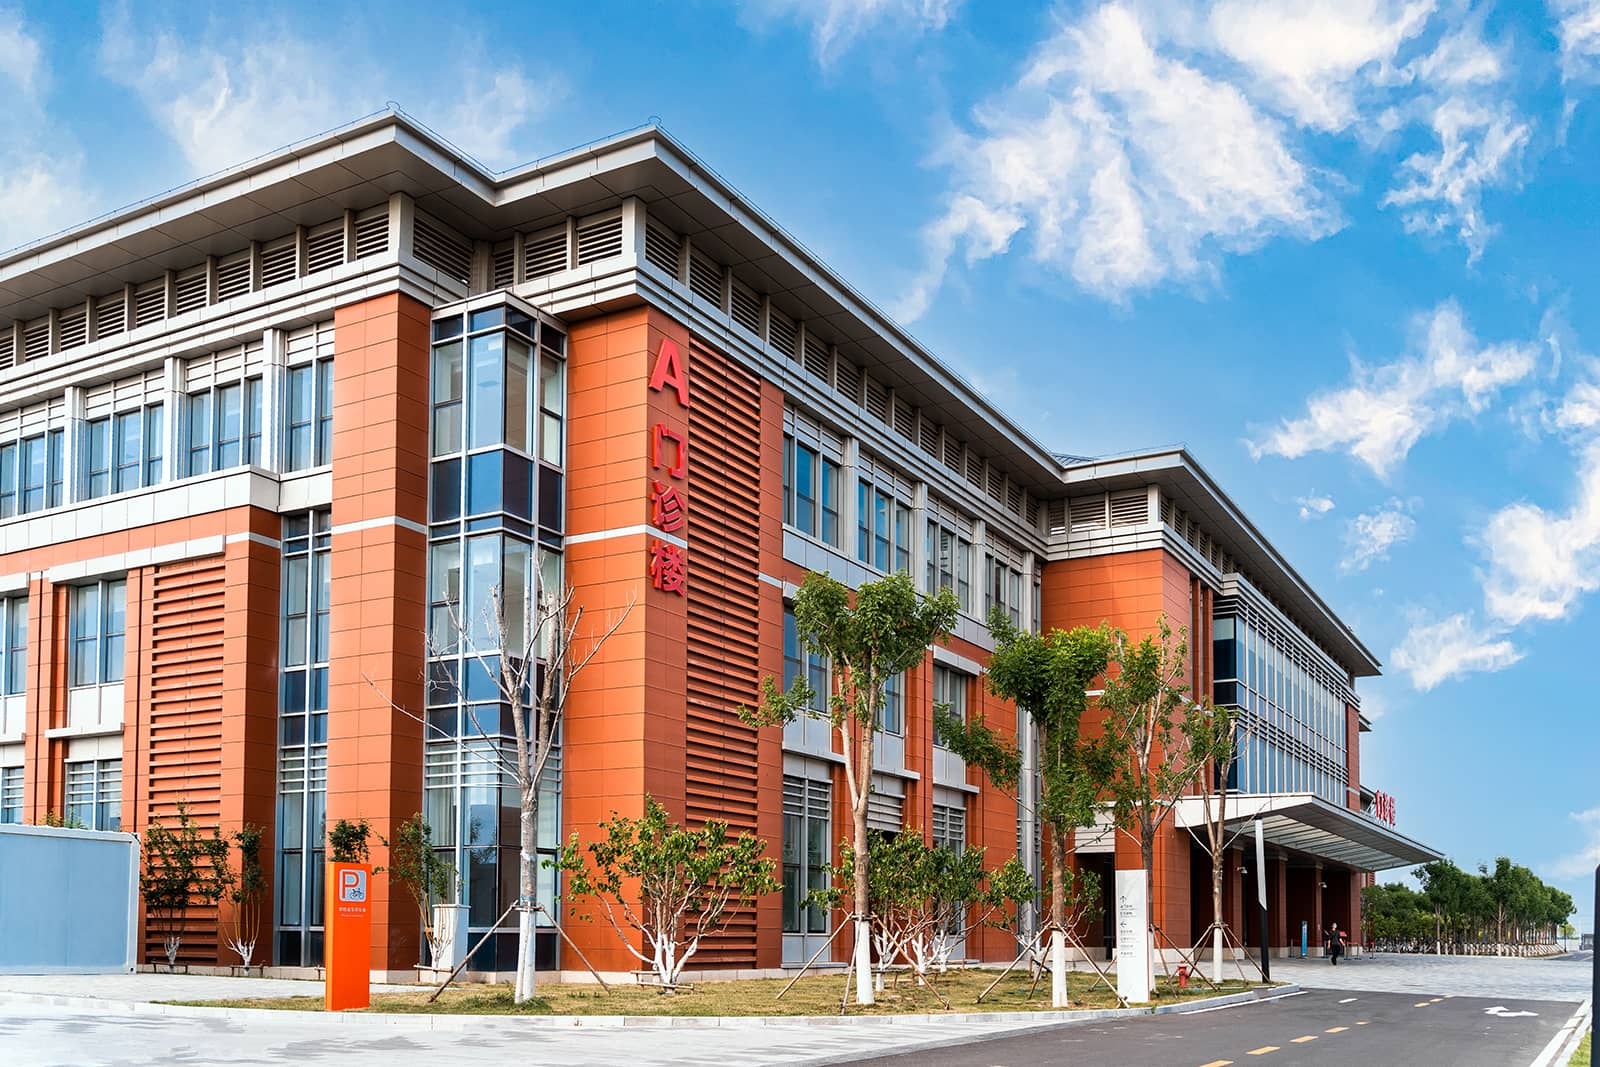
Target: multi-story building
(261,436)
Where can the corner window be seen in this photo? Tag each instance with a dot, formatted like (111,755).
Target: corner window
(98,626)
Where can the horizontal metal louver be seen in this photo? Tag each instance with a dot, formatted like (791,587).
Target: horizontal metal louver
(781,332)
(443,251)
(1130,508)
(974,471)
(505,266)
(278,262)
(150,303)
(847,381)
(72,329)
(816,357)
(8,355)
(1014,499)
(325,247)
(662,248)
(110,315)
(233,277)
(1089,513)
(36,340)
(1056,516)
(189,290)
(1031,516)
(929,438)
(705,279)
(600,239)
(905,420)
(952,453)
(372,232)
(996,487)
(746,308)
(885,812)
(876,401)
(544,254)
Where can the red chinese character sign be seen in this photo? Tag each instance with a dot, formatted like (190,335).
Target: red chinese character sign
(1383,808)
(669,472)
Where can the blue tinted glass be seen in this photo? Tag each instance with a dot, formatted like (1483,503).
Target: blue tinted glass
(319,689)
(294,691)
(550,508)
(518,321)
(450,327)
(482,320)
(319,729)
(446,502)
(481,684)
(483,482)
(518,486)
(294,729)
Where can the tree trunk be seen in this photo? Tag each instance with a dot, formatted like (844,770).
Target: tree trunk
(863,947)
(1147,849)
(528,855)
(1216,916)
(1058,919)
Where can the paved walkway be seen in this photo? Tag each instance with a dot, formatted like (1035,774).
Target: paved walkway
(1563,979)
(143,988)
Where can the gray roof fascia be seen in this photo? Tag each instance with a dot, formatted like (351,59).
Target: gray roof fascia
(1177,467)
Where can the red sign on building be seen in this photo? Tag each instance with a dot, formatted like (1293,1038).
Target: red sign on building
(669,466)
(1383,808)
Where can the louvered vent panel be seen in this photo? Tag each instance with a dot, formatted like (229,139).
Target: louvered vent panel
(705,279)
(996,488)
(781,332)
(1130,508)
(189,291)
(930,439)
(544,254)
(662,248)
(1056,516)
(278,262)
(816,357)
(73,328)
(1031,515)
(110,315)
(746,308)
(8,355)
(505,266)
(1014,499)
(372,232)
(441,250)
(1089,513)
(1167,511)
(877,401)
(974,471)
(36,340)
(149,303)
(905,420)
(600,239)
(848,381)
(325,247)
(233,277)
(952,453)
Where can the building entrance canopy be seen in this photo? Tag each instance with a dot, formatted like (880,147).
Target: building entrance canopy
(1311,825)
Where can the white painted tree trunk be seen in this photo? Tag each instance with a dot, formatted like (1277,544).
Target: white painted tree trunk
(1216,955)
(863,956)
(1058,968)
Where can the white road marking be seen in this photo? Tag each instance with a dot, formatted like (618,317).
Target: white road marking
(1349,1000)
(1500,1010)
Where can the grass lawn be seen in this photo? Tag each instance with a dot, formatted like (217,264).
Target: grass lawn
(1580,1058)
(817,995)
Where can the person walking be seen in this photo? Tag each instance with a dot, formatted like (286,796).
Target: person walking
(1335,944)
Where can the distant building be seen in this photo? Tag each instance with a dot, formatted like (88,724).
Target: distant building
(256,434)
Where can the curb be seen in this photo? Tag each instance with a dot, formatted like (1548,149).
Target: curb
(450,1023)
(1567,1039)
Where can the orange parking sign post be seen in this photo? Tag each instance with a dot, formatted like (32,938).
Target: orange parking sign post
(347,937)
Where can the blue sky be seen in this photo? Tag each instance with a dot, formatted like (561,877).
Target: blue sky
(1344,250)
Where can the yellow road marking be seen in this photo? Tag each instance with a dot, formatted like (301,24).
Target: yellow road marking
(1338,1029)
(1262,1051)
(1435,1000)
(1303,1040)
(1217,1063)
(1361,1022)
(1420,1004)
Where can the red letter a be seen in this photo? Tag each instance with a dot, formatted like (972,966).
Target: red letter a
(669,371)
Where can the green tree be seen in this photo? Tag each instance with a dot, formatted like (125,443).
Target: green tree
(1049,677)
(1146,759)
(669,885)
(884,629)
(348,841)
(248,895)
(181,866)
(1212,732)
(426,876)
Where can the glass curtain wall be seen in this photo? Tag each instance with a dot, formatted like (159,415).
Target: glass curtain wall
(495,522)
(303,737)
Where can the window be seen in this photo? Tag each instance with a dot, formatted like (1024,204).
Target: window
(893,718)
(308,441)
(225,427)
(949,693)
(98,622)
(10,795)
(797,660)
(811,490)
(122,452)
(805,853)
(1003,588)
(950,827)
(94,794)
(949,560)
(883,523)
(30,474)
(14,645)
(97,459)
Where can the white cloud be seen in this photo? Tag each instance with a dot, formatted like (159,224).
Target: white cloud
(1578,30)
(21,57)
(1307,55)
(497,106)
(1540,563)
(1370,536)
(1581,861)
(1387,409)
(1125,166)
(1314,506)
(43,193)
(42,182)
(1434,652)
(837,24)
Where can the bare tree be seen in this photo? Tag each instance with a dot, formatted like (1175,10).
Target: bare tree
(532,649)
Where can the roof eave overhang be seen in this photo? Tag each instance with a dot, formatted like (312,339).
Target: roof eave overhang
(1307,824)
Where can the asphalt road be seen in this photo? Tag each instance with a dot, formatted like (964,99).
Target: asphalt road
(1342,1027)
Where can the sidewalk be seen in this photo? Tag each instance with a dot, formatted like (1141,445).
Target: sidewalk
(1462,976)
